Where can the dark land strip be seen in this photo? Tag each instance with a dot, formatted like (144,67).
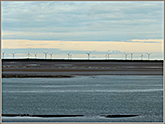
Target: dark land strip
(50,116)
(40,68)
(27,115)
(34,76)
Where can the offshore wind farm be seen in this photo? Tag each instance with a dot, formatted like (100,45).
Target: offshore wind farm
(51,55)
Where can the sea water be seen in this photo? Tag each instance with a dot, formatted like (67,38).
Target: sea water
(91,96)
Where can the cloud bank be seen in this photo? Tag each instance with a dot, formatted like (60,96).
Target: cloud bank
(82,21)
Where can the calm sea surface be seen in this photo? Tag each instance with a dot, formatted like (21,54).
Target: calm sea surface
(91,96)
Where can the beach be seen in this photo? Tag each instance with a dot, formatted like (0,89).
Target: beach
(82,91)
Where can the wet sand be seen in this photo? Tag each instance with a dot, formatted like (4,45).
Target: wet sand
(24,68)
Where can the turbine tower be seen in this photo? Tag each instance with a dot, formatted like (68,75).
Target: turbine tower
(108,54)
(105,56)
(3,55)
(51,54)
(141,56)
(69,55)
(88,53)
(126,54)
(148,55)
(35,54)
(45,54)
(13,55)
(28,54)
(131,56)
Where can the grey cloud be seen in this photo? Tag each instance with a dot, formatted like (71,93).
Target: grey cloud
(99,21)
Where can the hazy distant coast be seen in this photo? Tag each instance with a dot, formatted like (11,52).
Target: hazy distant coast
(26,68)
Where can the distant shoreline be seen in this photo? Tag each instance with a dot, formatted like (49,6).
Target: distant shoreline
(68,76)
(34,76)
(32,68)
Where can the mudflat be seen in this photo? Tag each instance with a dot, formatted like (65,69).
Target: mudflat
(23,68)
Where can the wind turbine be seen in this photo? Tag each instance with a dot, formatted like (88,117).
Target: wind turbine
(148,55)
(28,54)
(3,55)
(88,53)
(35,54)
(51,54)
(126,54)
(141,56)
(131,56)
(68,55)
(105,56)
(13,55)
(108,54)
(45,54)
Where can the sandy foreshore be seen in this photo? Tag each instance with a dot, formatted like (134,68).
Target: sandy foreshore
(65,69)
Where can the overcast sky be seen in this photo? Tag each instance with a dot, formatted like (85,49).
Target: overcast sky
(78,27)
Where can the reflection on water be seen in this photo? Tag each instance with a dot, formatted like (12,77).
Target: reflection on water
(91,96)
